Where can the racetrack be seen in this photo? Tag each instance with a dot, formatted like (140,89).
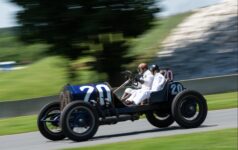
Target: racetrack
(123,131)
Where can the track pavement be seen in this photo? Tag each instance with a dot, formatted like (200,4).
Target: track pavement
(124,131)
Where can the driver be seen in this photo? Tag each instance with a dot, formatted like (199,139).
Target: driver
(145,79)
(158,84)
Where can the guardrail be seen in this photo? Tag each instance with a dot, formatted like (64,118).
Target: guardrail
(207,85)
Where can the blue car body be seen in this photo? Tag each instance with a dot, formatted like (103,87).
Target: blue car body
(88,92)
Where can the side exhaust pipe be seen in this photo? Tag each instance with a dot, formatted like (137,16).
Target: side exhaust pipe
(115,119)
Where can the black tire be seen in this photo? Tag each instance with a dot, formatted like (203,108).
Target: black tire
(184,109)
(42,126)
(159,119)
(89,117)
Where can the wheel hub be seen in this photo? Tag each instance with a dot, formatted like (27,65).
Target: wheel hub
(81,120)
(189,109)
(55,121)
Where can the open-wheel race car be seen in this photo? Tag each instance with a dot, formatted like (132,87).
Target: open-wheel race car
(83,108)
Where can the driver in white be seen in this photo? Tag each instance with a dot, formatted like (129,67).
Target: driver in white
(145,79)
(157,85)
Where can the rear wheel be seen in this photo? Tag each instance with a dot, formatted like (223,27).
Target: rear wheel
(79,121)
(48,122)
(159,119)
(189,109)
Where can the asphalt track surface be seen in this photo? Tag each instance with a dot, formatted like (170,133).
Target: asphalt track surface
(124,131)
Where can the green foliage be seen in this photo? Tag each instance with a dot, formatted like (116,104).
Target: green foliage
(110,60)
(65,25)
(11,49)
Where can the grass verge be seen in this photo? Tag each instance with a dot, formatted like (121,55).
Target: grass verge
(43,78)
(18,125)
(222,101)
(28,123)
(213,140)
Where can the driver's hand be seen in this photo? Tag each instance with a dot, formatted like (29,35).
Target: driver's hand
(138,78)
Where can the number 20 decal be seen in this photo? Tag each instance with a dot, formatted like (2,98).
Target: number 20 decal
(176,88)
(100,88)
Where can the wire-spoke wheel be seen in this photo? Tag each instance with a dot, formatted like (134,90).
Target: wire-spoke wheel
(160,119)
(189,109)
(48,122)
(79,121)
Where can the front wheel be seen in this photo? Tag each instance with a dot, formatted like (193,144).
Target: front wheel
(189,109)
(159,119)
(79,121)
(48,122)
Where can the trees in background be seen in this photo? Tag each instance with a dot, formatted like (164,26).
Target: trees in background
(71,27)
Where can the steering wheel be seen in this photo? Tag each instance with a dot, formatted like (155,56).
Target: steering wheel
(134,83)
(129,76)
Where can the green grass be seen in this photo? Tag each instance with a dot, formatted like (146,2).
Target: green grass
(28,123)
(213,140)
(222,101)
(46,76)
(18,125)
(43,78)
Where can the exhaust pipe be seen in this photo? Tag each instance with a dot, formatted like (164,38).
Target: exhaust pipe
(115,119)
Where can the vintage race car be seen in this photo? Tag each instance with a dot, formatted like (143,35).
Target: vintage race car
(83,108)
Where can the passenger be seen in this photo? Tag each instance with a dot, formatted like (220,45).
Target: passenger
(159,80)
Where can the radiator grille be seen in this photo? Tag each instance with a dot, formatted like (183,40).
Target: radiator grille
(64,98)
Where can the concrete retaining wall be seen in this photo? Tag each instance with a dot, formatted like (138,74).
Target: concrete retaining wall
(24,107)
(208,85)
(212,85)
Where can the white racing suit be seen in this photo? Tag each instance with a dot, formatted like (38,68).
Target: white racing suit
(142,94)
(148,80)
